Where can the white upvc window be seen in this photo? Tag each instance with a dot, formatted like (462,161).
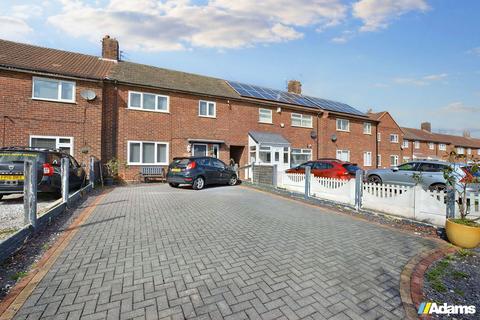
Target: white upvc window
(53,90)
(394,138)
(379,137)
(405,144)
(460,150)
(343,155)
(148,101)
(264,115)
(442,147)
(431,146)
(299,156)
(207,109)
(469,151)
(265,154)
(367,159)
(406,159)
(343,125)
(53,142)
(302,120)
(417,144)
(367,128)
(379,160)
(147,152)
(394,160)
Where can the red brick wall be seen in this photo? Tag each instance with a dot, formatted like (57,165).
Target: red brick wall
(232,123)
(424,152)
(386,149)
(23,116)
(354,140)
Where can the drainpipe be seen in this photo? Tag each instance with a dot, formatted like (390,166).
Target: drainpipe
(376,145)
(318,135)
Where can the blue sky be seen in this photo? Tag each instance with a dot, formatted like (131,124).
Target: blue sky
(418,59)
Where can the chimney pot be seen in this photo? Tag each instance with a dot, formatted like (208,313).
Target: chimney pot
(294,86)
(110,48)
(427,126)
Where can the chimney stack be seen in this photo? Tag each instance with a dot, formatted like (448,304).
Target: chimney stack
(426,126)
(466,133)
(295,86)
(110,49)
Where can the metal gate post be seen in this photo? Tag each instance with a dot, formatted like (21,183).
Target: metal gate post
(65,163)
(92,172)
(30,193)
(274,175)
(358,189)
(450,201)
(307,181)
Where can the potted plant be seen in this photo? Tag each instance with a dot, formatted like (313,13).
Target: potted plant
(112,173)
(463,231)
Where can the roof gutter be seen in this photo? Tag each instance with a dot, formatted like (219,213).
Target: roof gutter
(46,73)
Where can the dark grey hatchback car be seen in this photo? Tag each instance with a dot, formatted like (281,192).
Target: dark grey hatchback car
(199,172)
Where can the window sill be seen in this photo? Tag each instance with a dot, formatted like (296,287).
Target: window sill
(343,130)
(262,122)
(146,164)
(210,117)
(305,127)
(145,110)
(54,100)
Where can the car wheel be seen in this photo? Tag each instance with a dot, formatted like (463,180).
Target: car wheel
(439,187)
(233,180)
(198,183)
(375,179)
(173,185)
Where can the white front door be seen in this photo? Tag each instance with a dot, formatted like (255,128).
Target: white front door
(281,158)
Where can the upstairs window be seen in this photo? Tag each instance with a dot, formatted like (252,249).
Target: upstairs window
(53,90)
(417,144)
(442,147)
(394,138)
(379,137)
(405,144)
(460,150)
(264,115)
(207,109)
(431,146)
(343,125)
(367,128)
(148,101)
(301,120)
(469,151)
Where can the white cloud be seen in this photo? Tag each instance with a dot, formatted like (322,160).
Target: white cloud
(25,12)
(344,37)
(13,28)
(475,51)
(377,14)
(460,107)
(423,81)
(150,25)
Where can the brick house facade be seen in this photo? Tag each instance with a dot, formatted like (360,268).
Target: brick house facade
(144,115)
(389,140)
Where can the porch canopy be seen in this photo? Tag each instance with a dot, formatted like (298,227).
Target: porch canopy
(269,139)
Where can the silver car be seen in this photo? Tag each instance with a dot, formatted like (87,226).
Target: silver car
(428,173)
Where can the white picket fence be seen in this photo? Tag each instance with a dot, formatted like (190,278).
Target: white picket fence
(403,201)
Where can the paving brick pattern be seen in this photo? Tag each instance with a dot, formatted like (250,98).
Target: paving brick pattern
(151,252)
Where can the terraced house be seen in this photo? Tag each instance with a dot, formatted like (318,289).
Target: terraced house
(146,116)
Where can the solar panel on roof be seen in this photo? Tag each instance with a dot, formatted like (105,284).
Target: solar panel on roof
(247,90)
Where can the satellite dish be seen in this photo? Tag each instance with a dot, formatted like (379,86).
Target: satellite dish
(313,134)
(333,137)
(88,95)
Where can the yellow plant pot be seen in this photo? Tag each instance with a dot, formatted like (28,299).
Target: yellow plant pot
(462,235)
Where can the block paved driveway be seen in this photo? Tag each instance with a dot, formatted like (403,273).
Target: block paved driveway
(224,252)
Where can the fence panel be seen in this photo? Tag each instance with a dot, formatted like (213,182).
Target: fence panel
(338,190)
(292,181)
(430,206)
(393,199)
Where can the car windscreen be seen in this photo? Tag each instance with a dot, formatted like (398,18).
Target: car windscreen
(16,156)
(351,168)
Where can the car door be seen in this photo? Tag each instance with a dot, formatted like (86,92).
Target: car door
(431,173)
(222,173)
(211,173)
(405,174)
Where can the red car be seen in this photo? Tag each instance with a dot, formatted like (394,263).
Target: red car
(328,168)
